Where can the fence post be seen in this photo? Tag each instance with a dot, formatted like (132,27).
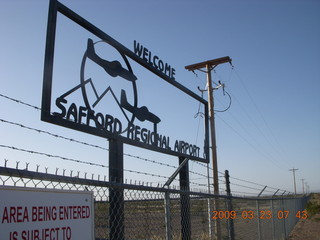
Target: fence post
(229,206)
(168,216)
(273,227)
(258,213)
(262,191)
(209,205)
(185,201)
(284,220)
(273,218)
(116,197)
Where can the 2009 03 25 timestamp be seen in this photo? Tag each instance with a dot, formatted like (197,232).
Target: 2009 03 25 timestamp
(262,214)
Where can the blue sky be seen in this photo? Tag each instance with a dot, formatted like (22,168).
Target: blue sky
(271,126)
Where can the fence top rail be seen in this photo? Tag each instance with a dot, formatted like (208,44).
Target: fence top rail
(23,173)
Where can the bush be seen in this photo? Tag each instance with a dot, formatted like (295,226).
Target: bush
(312,209)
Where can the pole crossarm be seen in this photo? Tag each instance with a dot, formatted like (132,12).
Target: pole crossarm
(210,63)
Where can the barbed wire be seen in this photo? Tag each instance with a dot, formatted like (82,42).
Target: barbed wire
(52,156)
(239,185)
(78,161)
(245,193)
(106,149)
(20,102)
(242,180)
(91,145)
(78,173)
(52,134)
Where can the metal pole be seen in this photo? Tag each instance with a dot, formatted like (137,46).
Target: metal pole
(276,192)
(173,176)
(185,200)
(259,224)
(262,191)
(273,225)
(168,216)
(229,206)
(183,170)
(284,221)
(209,204)
(116,197)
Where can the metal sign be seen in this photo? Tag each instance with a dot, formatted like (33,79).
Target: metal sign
(29,213)
(100,99)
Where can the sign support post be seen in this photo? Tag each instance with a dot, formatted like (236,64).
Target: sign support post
(116,197)
(185,200)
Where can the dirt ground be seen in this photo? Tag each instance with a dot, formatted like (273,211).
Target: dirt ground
(308,229)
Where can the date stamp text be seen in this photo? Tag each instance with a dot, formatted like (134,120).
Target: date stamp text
(263,214)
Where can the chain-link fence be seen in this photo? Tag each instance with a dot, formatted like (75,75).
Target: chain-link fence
(145,212)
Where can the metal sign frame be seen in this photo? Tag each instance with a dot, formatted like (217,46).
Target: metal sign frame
(46,114)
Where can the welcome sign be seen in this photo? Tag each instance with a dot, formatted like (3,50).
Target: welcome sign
(98,93)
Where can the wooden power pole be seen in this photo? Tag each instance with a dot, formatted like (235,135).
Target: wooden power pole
(294,178)
(302,179)
(209,66)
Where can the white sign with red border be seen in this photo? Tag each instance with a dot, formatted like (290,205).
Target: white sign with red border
(45,214)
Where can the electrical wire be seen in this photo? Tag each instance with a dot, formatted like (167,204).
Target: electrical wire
(239,179)
(261,116)
(230,101)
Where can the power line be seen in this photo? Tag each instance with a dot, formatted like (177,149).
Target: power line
(254,123)
(246,131)
(249,143)
(254,147)
(228,107)
(260,149)
(242,180)
(261,115)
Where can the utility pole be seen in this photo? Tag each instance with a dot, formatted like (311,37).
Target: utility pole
(209,66)
(302,179)
(294,178)
(307,187)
